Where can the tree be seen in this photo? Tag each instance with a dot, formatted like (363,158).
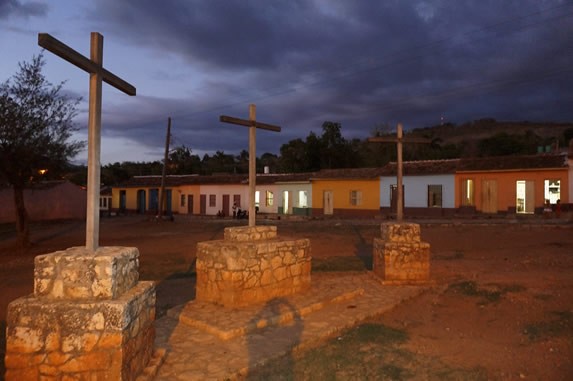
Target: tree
(36,123)
(183,162)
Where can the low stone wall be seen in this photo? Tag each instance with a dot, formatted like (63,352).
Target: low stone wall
(88,319)
(251,265)
(399,256)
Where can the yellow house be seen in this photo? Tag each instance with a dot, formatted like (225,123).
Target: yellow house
(187,199)
(346,192)
(140,194)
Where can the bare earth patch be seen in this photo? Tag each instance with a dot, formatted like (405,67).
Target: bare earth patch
(502,308)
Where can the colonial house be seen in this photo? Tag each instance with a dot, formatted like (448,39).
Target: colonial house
(428,187)
(513,184)
(508,184)
(346,192)
(294,194)
(140,194)
(218,194)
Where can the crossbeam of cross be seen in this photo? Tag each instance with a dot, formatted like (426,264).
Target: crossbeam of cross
(399,140)
(94,66)
(253,125)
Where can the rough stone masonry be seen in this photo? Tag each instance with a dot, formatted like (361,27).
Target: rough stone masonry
(88,319)
(251,265)
(399,256)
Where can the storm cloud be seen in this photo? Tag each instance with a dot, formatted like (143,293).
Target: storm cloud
(360,63)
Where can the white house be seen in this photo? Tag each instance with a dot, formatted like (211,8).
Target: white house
(429,187)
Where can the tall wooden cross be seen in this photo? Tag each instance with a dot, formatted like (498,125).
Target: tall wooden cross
(253,125)
(399,140)
(94,66)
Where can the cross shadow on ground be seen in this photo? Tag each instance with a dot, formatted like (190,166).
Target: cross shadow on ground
(363,248)
(289,329)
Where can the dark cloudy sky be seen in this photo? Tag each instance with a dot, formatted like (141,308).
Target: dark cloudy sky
(302,62)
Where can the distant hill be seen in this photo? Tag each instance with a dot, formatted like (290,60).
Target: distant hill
(474,137)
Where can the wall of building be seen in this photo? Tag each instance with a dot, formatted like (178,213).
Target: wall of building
(131,200)
(218,190)
(50,202)
(416,190)
(294,205)
(506,186)
(262,204)
(341,188)
(184,191)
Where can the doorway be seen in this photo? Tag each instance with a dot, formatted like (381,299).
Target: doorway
(226,199)
(489,196)
(525,196)
(141,201)
(327,201)
(286,202)
(190,204)
(203,204)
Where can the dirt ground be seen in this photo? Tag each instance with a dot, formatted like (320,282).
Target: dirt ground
(503,301)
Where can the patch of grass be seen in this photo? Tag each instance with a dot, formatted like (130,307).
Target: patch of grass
(376,333)
(338,264)
(371,351)
(560,325)
(491,293)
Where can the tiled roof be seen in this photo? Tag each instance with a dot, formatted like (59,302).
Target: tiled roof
(522,162)
(411,168)
(348,173)
(170,181)
(422,167)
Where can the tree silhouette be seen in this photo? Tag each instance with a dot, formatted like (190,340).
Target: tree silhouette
(36,123)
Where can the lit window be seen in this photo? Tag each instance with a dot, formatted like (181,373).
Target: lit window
(269,198)
(468,192)
(302,199)
(553,190)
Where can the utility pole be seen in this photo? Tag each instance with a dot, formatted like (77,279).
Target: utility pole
(163,174)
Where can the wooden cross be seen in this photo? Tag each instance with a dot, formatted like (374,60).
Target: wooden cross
(399,140)
(253,125)
(94,66)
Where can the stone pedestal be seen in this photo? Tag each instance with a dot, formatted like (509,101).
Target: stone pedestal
(88,319)
(251,265)
(399,256)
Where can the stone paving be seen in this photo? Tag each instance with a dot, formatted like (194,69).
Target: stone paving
(206,342)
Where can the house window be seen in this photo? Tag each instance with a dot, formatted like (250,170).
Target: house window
(434,196)
(105,202)
(212,200)
(257,198)
(553,190)
(182,200)
(269,198)
(302,199)
(468,192)
(355,197)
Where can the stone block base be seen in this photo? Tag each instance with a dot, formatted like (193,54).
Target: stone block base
(77,273)
(400,257)
(251,266)
(49,339)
